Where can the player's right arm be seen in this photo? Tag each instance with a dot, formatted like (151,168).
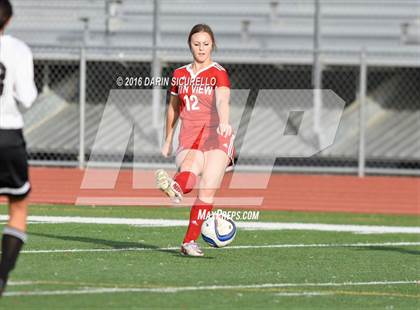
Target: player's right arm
(172,116)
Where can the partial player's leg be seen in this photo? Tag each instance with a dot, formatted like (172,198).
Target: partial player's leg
(213,173)
(14,236)
(14,183)
(18,211)
(190,163)
(212,176)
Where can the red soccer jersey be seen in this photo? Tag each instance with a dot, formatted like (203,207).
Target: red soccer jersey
(196,93)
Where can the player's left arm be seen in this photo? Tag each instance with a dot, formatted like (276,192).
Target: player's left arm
(223,109)
(222,103)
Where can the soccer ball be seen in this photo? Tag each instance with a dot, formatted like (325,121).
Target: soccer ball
(218,231)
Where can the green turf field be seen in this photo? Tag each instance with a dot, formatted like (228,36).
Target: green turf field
(71,265)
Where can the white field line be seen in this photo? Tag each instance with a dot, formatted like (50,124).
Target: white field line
(19,283)
(300,294)
(361,229)
(237,247)
(174,289)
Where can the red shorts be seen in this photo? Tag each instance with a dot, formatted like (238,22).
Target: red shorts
(205,140)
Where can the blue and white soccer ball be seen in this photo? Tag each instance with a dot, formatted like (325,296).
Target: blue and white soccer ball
(218,231)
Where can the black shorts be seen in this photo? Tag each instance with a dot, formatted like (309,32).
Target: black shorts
(14,179)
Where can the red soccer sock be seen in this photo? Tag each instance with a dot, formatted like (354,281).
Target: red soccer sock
(198,214)
(186,180)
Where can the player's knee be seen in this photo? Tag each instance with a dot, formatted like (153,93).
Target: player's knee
(194,168)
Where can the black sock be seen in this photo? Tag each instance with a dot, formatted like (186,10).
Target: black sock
(11,244)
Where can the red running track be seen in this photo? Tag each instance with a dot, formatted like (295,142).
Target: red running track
(327,193)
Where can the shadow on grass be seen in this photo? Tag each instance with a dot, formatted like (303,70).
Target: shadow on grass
(118,244)
(391,249)
(108,243)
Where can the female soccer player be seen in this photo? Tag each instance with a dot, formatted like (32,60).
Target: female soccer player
(200,94)
(16,85)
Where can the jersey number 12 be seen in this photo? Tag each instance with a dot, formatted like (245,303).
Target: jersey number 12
(191,103)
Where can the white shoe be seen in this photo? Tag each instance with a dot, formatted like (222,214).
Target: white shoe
(165,183)
(191,249)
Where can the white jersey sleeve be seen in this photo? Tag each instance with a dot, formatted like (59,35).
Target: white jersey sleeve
(18,85)
(25,90)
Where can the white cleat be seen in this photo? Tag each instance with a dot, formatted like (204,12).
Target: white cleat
(165,183)
(191,249)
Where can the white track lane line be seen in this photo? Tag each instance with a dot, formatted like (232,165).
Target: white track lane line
(237,247)
(172,289)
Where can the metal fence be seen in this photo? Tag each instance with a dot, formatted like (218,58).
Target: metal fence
(378,132)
